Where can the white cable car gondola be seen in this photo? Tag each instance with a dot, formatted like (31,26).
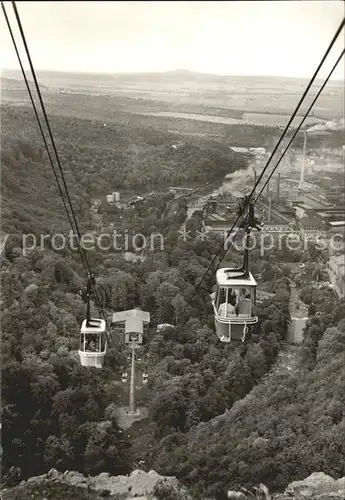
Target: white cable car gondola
(145,376)
(93,344)
(235,296)
(93,338)
(233,305)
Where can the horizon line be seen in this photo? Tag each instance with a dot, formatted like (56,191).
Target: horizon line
(132,73)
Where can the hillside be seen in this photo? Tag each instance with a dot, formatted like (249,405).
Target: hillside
(96,160)
(16,84)
(285,429)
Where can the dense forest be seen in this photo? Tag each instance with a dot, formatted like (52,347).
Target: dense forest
(57,414)
(124,156)
(96,161)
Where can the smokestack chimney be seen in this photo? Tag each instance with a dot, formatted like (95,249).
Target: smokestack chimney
(278,187)
(132,409)
(268,189)
(301,182)
(269,208)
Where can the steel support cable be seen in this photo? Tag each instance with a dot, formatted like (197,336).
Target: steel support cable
(39,122)
(81,250)
(304,95)
(47,123)
(82,253)
(248,199)
(36,113)
(303,120)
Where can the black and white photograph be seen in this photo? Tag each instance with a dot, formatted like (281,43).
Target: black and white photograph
(172,248)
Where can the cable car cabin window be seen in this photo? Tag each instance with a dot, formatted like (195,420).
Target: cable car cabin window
(221,302)
(82,342)
(216,296)
(221,296)
(93,342)
(223,305)
(236,301)
(102,341)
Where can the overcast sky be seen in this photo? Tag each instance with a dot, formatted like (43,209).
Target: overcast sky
(235,38)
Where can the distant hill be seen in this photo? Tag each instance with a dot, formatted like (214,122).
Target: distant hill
(183,88)
(18,84)
(179,75)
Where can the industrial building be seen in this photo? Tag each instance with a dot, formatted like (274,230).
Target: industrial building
(332,215)
(336,226)
(311,228)
(274,227)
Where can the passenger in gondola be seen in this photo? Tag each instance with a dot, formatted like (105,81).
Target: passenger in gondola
(232,297)
(91,345)
(241,296)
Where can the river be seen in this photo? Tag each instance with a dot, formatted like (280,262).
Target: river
(261,119)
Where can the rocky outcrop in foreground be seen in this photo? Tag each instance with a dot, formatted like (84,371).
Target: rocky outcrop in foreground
(140,485)
(318,486)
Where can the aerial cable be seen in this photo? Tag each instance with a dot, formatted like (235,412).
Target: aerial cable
(36,113)
(81,250)
(39,122)
(45,116)
(305,93)
(82,254)
(76,228)
(248,198)
(300,125)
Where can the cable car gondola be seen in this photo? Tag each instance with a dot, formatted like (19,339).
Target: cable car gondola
(145,376)
(235,296)
(93,337)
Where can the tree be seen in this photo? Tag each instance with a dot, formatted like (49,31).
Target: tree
(107,450)
(311,310)
(124,291)
(179,305)
(58,453)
